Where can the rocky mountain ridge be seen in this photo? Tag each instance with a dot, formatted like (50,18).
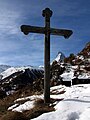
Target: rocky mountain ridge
(76,68)
(82,58)
(4,67)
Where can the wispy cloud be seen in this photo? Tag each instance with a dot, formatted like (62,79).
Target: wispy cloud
(22,59)
(8,20)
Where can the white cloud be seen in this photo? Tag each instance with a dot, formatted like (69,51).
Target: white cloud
(8,24)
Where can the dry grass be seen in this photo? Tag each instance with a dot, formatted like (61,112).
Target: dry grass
(55,92)
(39,109)
(14,116)
(9,100)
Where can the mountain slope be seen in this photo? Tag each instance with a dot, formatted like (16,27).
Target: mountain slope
(86,51)
(16,78)
(4,67)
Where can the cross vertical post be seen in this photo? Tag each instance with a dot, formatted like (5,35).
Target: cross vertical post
(47,13)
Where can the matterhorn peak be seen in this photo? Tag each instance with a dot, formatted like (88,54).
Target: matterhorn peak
(60,57)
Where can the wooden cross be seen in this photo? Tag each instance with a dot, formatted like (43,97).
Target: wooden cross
(26,29)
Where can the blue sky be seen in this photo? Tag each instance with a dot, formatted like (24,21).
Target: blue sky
(18,49)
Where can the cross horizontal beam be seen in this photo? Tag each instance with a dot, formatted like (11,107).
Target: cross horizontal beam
(26,29)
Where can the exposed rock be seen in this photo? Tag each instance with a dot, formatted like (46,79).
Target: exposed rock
(2,94)
(56,71)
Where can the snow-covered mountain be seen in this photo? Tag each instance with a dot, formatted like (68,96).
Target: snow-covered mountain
(80,64)
(8,72)
(75,68)
(16,77)
(4,67)
(60,57)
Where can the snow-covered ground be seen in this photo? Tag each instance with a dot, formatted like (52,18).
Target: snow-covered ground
(74,106)
(69,73)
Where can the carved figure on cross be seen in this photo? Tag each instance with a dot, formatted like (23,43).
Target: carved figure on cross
(26,29)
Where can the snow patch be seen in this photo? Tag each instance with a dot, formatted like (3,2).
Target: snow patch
(68,76)
(75,106)
(26,106)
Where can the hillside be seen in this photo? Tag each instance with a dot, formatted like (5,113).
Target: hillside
(22,90)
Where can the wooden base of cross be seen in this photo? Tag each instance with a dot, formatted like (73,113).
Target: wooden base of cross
(26,29)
